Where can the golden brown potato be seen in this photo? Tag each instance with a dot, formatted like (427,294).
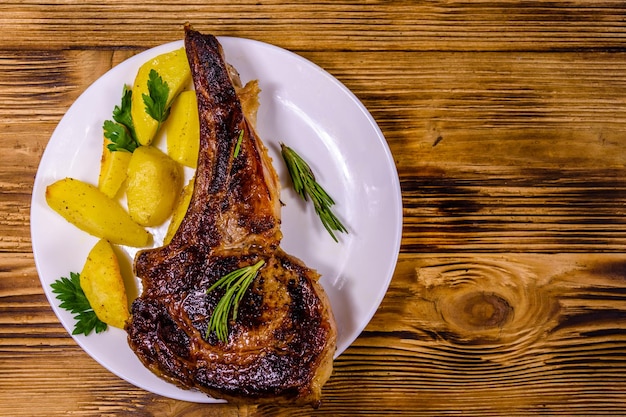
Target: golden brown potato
(179,211)
(113,168)
(89,209)
(103,285)
(154,183)
(173,68)
(183,130)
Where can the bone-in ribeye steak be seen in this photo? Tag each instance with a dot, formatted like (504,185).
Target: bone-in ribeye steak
(281,346)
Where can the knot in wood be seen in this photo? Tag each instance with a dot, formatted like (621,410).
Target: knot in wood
(481,310)
(492,301)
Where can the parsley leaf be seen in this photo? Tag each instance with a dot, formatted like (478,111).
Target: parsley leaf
(73,299)
(119,136)
(121,133)
(156,100)
(88,321)
(121,114)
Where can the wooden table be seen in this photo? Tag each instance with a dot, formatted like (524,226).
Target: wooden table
(507,122)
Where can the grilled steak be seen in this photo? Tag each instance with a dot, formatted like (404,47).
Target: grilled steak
(280,347)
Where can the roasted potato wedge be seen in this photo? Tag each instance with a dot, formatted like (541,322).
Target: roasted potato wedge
(173,68)
(183,130)
(179,211)
(89,209)
(154,184)
(103,285)
(113,168)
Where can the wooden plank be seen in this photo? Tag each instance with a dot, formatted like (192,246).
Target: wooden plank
(517,210)
(347,25)
(79,386)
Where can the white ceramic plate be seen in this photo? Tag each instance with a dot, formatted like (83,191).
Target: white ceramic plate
(302,106)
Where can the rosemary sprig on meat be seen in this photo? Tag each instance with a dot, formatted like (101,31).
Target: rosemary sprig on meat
(236,284)
(238,145)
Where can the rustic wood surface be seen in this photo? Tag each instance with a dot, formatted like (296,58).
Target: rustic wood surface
(507,122)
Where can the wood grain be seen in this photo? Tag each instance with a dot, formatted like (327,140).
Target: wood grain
(343,25)
(506,122)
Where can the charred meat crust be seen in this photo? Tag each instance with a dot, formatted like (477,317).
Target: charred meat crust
(279,336)
(280,348)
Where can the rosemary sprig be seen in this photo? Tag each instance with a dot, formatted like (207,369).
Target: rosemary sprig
(236,284)
(238,145)
(306,186)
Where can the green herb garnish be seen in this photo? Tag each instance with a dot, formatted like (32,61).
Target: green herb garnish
(119,137)
(306,186)
(238,145)
(121,113)
(236,284)
(156,99)
(73,299)
(121,131)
